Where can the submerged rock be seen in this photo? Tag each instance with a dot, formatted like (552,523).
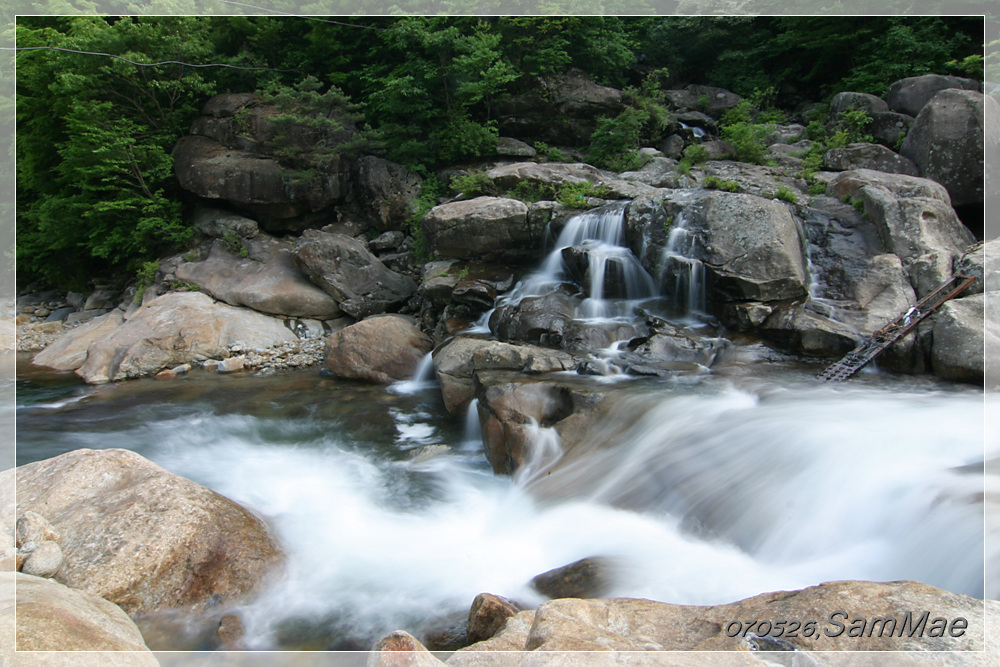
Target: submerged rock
(143,538)
(585,578)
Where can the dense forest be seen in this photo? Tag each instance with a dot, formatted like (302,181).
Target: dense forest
(102,101)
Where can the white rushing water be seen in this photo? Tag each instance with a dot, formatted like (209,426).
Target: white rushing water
(705,498)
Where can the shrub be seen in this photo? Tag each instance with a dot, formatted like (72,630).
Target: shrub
(475,184)
(786,194)
(714,183)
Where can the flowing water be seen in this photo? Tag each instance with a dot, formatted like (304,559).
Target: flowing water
(707,489)
(703,487)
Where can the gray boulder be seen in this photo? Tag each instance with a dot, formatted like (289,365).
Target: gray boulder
(908,96)
(219,223)
(848,101)
(959,340)
(489,229)
(173,329)
(711,100)
(266,279)
(889,128)
(381,349)
(947,142)
(348,272)
(868,156)
(143,538)
(541,320)
(387,192)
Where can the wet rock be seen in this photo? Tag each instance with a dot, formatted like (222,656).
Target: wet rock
(908,96)
(446,633)
(144,538)
(868,156)
(487,615)
(542,320)
(230,629)
(231,365)
(490,229)
(457,362)
(948,139)
(983,263)
(173,329)
(959,339)
(265,279)
(166,374)
(809,333)
(643,625)
(666,349)
(381,349)
(44,561)
(585,578)
(348,272)
(54,617)
(388,191)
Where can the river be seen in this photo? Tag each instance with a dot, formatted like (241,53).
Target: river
(709,487)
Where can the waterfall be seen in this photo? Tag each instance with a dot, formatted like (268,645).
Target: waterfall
(423,378)
(679,261)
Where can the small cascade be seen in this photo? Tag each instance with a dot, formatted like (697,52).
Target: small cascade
(589,252)
(423,378)
(545,452)
(678,260)
(696,131)
(472,436)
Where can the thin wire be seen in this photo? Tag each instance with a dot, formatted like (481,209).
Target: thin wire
(300,16)
(133,62)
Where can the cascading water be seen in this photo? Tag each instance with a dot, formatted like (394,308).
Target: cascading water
(679,260)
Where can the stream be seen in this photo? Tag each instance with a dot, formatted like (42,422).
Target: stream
(717,486)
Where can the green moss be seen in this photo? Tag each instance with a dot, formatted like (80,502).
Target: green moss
(786,194)
(713,183)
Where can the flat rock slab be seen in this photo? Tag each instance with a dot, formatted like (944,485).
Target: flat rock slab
(173,329)
(144,538)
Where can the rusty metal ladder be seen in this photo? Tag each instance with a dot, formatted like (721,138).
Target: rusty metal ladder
(882,339)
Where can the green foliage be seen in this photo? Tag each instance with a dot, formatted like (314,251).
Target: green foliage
(474,184)
(532,191)
(615,140)
(714,183)
(786,194)
(575,195)
(739,126)
(430,192)
(553,154)
(235,244)
(693,154)
(145,277)
(817,188)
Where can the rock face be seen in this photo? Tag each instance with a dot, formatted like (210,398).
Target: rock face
(381,349)
(908,96)
(947,142)
(958,342)
(173,329)
(144,538)
(387,191)
(347,271)
(562,109)
(54,617)
(229,156)
(489,229)
(265,280)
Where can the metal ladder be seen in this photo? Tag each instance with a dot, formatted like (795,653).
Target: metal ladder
(882,339)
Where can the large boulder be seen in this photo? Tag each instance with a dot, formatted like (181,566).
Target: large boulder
(914,220)
(947,142)
(353,276)
(847,101)
(69,351)
(387,192)
(259,273)
(868,156)
(842,615)
(174,329)
(889,128)
(231,155)
(54,617)
(957,351)
(489,229)
(382,349)
(908,96)
(457,362)
(560,109)
(143,538)
(536,319)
